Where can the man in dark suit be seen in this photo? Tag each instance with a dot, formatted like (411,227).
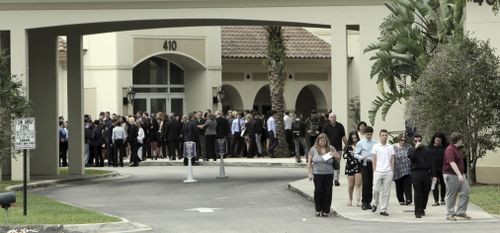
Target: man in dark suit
(173,131)
(336,135)
(190,133)
(132,133)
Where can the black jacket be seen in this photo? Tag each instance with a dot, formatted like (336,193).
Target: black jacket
(190,132)
(222,127)
(421,160)
(173,130)
(132,133)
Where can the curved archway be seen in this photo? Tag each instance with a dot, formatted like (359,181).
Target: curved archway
(310,97)
(262,101)
(232,99)
(181,59)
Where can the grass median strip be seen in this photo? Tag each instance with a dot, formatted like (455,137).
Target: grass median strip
(487,197)
(43,210)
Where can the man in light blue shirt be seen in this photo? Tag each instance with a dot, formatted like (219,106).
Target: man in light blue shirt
(363,153)
(237,126)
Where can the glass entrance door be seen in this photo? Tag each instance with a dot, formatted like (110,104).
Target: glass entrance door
(152,103)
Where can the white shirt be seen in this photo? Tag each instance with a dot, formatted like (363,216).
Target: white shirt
(271,125)
(384,154)
(118,133)
(140,135)
(288,122)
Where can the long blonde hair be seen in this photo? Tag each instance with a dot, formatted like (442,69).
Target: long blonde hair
(322,136)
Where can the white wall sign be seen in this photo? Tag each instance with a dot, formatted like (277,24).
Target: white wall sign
(25,133)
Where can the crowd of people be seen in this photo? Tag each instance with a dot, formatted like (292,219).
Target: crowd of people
(372,166)
(111,138)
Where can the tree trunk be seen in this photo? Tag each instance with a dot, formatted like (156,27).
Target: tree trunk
(276,67)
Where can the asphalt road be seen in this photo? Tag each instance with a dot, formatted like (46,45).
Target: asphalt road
(251,200)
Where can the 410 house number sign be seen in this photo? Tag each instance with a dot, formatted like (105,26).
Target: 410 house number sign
(170,45)
(480,2)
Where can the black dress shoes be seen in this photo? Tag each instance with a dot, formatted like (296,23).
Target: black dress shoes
(374,208)
(384,214)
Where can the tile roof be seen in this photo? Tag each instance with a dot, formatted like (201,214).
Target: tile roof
(251,42)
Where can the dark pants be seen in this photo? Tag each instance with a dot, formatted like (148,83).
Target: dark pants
(273,144)
(237,144)
(210,147)
(110,153)
(146,147)
(422,184)
(163,143)
(99,159)
(119,152)
(289,141)
(63,153)
(403,189)
(312,140)
(252,151)
(367,172)
(134,158)
(323,192)
(173,146)
(439,186)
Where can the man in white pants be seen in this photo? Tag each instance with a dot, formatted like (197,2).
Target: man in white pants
(383,167)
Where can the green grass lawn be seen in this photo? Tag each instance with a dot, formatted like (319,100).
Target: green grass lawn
(42,210)
(487,197)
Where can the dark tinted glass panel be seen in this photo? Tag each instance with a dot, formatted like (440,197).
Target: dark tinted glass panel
(140,105)
(150,90)
(151,71)
(177,106)
(176,75)
(177,90)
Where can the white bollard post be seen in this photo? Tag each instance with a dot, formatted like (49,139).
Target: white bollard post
(190,152)
(221,150)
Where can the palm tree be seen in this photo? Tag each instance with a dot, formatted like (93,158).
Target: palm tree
(276,67)
(409,38)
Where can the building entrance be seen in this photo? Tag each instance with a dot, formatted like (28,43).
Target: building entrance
(159,84)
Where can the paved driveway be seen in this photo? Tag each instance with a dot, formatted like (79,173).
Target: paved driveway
(251,200)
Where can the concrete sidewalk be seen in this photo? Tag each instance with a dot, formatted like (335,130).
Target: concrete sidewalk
(397,213)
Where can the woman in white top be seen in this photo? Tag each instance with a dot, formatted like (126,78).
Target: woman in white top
(140,139)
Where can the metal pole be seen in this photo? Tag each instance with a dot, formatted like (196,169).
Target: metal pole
(7,216)
(222,171)
(25,178)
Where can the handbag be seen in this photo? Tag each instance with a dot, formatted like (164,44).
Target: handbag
(243,132)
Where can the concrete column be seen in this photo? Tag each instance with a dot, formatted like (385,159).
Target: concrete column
(339,73)
(75,105)
(42,76)
(18,67)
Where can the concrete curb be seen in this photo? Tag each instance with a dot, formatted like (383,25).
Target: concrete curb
(53,182)
(311,199)
(110,227)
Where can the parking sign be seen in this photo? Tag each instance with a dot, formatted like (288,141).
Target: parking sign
(24,133)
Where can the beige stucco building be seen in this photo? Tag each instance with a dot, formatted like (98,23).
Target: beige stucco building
(107,41)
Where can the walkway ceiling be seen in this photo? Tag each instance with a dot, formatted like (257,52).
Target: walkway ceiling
(103,27)
(169,4)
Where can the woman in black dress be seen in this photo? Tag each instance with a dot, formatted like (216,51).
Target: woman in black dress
(353,168)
